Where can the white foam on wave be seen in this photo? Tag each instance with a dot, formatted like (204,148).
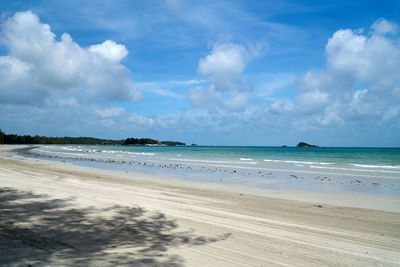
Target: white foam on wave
(354,169)
(202,161)
(209,161)
(70,148)
(87,150)
(81,150)
(127,153)
(143,153)
(377,166)
(297,162)
(245,159)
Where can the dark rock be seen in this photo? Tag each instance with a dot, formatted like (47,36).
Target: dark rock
(303,144)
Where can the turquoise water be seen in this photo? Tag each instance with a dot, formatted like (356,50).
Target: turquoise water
(361,157)
(364,170)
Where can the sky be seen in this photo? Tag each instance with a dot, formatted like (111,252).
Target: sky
(262,73)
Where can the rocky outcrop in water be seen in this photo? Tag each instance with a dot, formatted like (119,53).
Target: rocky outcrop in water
(303,144)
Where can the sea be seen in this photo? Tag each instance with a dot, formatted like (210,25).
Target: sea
(322,169)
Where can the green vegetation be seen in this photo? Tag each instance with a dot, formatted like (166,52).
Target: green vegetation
(149,141)
(140,142)
(1,137)
(172,143)
(27,139)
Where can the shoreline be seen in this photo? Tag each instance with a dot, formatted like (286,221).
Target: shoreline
(364,200)
(220,223)
(321,180)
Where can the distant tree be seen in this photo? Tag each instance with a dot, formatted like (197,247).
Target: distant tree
(173,143)
(140,141)
(1,137)
(27,139)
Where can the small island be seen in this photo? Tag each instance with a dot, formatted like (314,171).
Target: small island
(303,144)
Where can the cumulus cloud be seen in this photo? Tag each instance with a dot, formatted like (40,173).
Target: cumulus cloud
(223,68)
(16,82)
(224,65)
(110,50)
(38,65)
(361,79)
(203,97)
(237,100)
(280,106)
(374,59)
(312,101)
(382,26)
(359,88)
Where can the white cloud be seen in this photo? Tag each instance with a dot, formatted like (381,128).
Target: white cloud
(359,87)
(330,116)
(137,120)
(16,85)
(382,26)
(357,102)
(326,81)
(354,59)
(110,112)
(374,59)
(37,62)
(272,83)
(237,101)
(312,101)
(167,88)
(280,106)
(201,97)
(110,50)
(224,65)
(223,68)
(391,113)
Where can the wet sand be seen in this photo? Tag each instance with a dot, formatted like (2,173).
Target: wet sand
(54,213)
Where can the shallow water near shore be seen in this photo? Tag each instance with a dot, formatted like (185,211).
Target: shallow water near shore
(362,170)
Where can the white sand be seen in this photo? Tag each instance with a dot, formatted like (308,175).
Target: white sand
(54,213)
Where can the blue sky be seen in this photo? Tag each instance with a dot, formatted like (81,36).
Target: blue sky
(206,72)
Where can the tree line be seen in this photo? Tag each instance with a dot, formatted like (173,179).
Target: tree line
(44,140)
(149,141)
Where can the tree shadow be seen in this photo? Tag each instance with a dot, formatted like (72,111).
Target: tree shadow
(36,230)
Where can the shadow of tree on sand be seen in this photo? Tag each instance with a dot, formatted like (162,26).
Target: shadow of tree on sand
(36,230)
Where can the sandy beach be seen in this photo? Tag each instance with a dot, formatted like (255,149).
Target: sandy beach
(54,213)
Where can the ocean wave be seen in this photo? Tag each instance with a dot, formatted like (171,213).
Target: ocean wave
(297,162)
(80,150)
(377,166)
(201,161)
(353,169)
(108,151)
(245,159)
(129,153)
(143,153)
